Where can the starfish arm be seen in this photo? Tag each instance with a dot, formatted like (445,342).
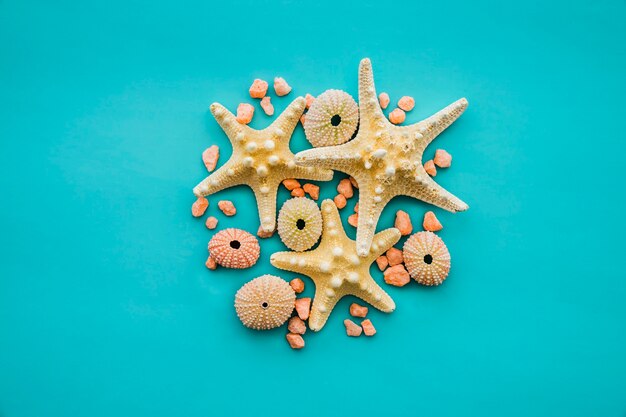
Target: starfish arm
(285,124)
(384,240)
(228,122)
(228,175)
(377,297)
(426,189)
(298,262)
(322,307)
(369,212)
(427,130)
(265,193)
(311,173)
(338,157)
(369,108)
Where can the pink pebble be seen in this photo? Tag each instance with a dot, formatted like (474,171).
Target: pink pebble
(383,99)
(406,103)
(442,158)
(281,87)
(210,157)
(267,106)
(309,100)
(245,112)
(211,222)
(258,89)
(397,116)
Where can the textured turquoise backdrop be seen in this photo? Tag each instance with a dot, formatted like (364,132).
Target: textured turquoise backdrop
(106,308)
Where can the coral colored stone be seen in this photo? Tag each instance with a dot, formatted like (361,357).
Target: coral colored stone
(397,116)
(303,307)
(357,310)
(383,99)
(368,327)
(210,157)
(431,222)
(340,201)
(211,222)
(353,220)
(396,275)
(429,167)
(295,340)
(291,183)
(345,188)
(245,112)
(309,100)
(352,329)
(403,223)
(382,262)
(258,89)
(267,106)
(312,190)
(442,158)
(199,207)
(210,263)
(394,256)
(297,192)
(353,182)
(356,208)
(406,103)
(227,207)
(302,119)
(296,325)
(281,87)
(297,284)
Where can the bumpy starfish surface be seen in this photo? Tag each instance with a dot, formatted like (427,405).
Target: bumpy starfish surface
(261,159)
(386,160)
(336,268)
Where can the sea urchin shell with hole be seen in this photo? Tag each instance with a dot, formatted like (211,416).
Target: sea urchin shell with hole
(234,248)
(332,119)
(265,302)
(426,258)
(299,223)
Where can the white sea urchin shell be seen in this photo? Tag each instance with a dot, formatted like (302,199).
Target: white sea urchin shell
(332,119)
(299,223)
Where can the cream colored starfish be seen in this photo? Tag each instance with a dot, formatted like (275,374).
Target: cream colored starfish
(336,268)
(386,160)
(261,159)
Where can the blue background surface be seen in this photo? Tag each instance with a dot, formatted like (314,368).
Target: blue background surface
(106,308)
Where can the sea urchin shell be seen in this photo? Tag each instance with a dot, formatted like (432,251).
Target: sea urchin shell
(265,302)
(234,248)
(332,119)
(299,223)
(427,258)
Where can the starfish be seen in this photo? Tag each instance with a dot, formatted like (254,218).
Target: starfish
(386,160)
(261,159)
(336,269)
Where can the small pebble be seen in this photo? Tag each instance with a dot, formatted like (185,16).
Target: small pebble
(345,188)
(291,183)
(352,329)
(356,208)
(258,89)
(396,275)
(353,182)
(383,99)
(296,325)
(340,201)
(211,222)
(309,100)
(281,87)
(429,167)
(263,234)
(431,222)
(297,284)
(312,190)
(303,307)
(394,256)
(303,119)
(227,207)
(406,103)
(403,223)
(442,158)
(199,207)
(397,116)
(210,157)
(368,327)
(297,192)
(358,310)
(353,220)
(382,262)
(295,340)
(245,112)
(211,264)
(267,106)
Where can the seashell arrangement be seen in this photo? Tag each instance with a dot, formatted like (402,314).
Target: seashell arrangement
(299,223)
(234,248)
(265,302)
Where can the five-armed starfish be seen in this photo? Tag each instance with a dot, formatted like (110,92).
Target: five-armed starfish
(386,160)
(261,159)
(336,268)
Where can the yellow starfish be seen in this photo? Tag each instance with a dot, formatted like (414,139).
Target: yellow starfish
(386,160)
(261,159)
(336,268)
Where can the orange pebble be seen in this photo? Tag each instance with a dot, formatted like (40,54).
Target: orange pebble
(296,325)
(442,158)
(368,327)
(227,207)
(396,275)
(356,208)
(353,182)
(245,112)
(263,234)
(312,190)
(429,167)
(267,106)
(291,183)
(394,256)
(431,222)
(297,192)
(210,157)
(199,207)
(403,223)
(340,201)
(397,116)
(382,262)
(352,329)
(406,103)
(281,87)
(345,188)
(309,100)
(302,119)
(211,264)
(211,222)
(303,307)
(358,310)
(297,284)
(258,89)
(383,99)
(353,220)
(295,340)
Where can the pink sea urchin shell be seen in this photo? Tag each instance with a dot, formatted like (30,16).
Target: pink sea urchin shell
(427,258)
(234,248)
(265,302)
(332,119)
